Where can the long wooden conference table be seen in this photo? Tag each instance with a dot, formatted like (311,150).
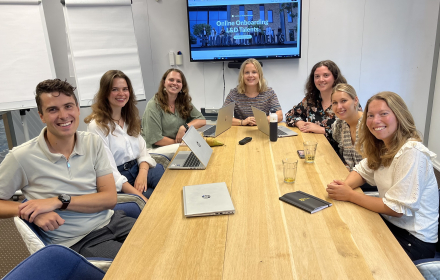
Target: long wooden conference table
(265,238)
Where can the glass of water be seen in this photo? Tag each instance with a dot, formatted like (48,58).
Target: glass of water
(310,151)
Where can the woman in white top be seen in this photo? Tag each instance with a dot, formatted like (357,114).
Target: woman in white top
(115,118)
(400,165)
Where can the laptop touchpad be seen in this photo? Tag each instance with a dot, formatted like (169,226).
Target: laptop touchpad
(181,157)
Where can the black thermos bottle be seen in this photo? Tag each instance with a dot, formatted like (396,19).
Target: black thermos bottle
(273,125)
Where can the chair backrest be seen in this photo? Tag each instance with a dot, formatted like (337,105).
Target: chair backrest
(161,159)
(130,208)
(124,198)
(55,262)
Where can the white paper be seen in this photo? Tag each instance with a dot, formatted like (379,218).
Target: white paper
(102,38)
(98,3)
(20,2)
(25,54)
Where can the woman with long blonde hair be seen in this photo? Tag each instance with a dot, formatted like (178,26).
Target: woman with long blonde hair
(252,91)
(345,105)
(400,166)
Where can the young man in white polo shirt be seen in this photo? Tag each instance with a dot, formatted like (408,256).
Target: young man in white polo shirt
(67,178)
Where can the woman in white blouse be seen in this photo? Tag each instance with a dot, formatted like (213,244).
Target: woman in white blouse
(115,118)
(400,165)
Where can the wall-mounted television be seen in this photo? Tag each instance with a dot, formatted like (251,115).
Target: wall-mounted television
(238,29)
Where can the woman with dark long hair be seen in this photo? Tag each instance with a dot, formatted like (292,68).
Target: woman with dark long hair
(314,113)
(115,118)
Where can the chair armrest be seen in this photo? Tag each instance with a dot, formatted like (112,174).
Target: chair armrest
(429,268)
(30,237)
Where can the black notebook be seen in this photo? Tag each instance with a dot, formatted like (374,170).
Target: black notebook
(305,201)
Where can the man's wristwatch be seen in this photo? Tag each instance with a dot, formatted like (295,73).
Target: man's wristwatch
(65,199)
(185,125)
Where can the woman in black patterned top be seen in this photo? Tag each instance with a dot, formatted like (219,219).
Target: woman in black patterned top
(345,104)
(314,113)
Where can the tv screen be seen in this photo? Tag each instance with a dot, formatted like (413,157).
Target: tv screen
(239,29)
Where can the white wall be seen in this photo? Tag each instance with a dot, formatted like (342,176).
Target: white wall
(434,140)
(398,51)
(378,45)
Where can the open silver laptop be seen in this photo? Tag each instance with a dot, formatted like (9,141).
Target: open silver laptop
(199,155)
(263,124)
(207,200)
(224,122)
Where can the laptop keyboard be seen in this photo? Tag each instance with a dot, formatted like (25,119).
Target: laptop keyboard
(191,161)
(210,131)
(281,133)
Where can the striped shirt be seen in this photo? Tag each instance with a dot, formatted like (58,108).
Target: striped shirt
(265,101)
(347,150)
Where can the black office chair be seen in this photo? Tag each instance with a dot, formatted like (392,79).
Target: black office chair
(211,115)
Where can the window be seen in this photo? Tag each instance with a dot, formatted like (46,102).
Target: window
(291,35)
(207,16)
(270,16)
(241,12)
(202,16)
(250,16)
(289,18)
(197,17)
(262,12)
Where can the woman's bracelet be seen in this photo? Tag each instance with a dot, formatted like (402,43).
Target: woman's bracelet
(143,168)
(241,122)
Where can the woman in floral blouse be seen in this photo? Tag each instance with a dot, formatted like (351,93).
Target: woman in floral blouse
(314,113)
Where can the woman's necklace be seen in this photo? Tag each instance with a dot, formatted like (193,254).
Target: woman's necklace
(325,105)
(118,121)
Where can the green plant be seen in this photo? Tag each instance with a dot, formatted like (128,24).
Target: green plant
(198,29)
(192,39)
(291,9)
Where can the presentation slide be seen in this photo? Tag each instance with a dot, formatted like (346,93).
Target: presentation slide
(238,29)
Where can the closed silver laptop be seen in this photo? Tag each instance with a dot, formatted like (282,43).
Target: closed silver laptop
(224,122)
(207,200)
(263,125)
(199,155)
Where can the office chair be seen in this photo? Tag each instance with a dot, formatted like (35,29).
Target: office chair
(55,262)
(430,268)
(130,203)
(162,159)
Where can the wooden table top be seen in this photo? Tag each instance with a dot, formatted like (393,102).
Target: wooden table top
(265,238)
